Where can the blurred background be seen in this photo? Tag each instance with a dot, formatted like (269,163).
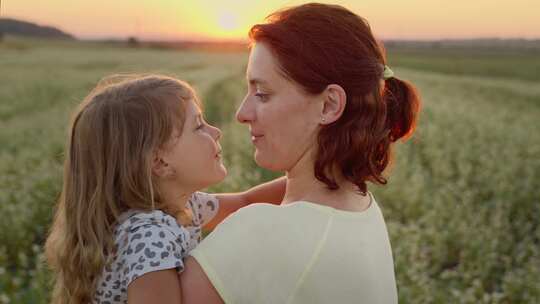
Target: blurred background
(463,200)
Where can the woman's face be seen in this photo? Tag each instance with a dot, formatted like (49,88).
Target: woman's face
(195,155)
(283,120)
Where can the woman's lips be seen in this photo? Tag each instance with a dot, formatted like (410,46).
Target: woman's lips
(255,138)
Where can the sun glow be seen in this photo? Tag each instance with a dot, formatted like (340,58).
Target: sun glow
(231,19)
(228,21)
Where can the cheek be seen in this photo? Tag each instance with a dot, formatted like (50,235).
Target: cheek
(292,124)
(197,151)
(289,135)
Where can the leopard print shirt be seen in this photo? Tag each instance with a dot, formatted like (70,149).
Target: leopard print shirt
(150,241)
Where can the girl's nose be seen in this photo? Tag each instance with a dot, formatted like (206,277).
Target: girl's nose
(215,132)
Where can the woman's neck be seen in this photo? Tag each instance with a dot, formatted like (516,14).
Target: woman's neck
(303,186)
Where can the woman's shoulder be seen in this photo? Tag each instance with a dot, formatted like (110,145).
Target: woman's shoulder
(285,222)
(252,216)
(275,222)
(261,214)
(300,210)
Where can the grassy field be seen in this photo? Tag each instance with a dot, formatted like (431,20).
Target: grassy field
(463,200)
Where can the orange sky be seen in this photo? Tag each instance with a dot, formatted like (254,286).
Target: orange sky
(231,19)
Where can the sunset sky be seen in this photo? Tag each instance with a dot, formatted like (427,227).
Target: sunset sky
(231,19)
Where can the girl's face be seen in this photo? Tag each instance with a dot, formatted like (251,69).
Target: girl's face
(283,119)
(194,157)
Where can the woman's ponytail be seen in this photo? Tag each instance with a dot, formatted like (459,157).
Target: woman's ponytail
(402,106)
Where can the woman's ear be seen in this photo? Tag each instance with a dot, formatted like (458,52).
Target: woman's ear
(334,103)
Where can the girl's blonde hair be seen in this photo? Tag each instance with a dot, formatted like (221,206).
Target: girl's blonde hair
(107,171)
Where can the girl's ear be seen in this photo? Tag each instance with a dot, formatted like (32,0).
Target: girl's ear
(160,167)
(334,103)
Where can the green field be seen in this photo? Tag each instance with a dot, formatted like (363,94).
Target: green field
(463,200)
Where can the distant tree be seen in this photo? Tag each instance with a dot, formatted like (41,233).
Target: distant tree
(133,42)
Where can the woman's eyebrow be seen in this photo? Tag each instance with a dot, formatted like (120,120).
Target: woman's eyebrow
(257,81)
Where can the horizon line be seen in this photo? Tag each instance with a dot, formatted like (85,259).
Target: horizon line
(204,38)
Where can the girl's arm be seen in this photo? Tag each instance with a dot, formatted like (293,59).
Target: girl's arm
(269,192)
(196,287)
(161,286)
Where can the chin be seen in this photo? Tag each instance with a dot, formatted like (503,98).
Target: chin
(260,161)
(216,178)
(221,173)
(224,174)
(266,163)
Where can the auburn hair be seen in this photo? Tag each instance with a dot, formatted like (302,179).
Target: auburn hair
(107,170)
(317,45)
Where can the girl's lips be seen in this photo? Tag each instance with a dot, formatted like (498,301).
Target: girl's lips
(218,153)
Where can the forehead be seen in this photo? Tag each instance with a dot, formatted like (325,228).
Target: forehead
(192,107)
(192,112)
(263,65)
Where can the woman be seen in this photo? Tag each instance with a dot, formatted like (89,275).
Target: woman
(322,106)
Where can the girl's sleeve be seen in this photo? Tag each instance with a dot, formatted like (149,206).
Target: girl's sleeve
(148,248)
(205,207)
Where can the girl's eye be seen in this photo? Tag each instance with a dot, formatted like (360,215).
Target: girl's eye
(199,126)
(261,96)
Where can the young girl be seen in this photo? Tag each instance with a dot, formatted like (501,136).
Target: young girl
(138,152)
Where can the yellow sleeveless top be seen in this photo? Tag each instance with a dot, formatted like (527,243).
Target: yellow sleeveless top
(300,253)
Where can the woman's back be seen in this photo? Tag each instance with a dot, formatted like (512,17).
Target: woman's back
(300,253)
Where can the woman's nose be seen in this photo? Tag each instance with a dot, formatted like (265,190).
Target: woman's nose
(244,114)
